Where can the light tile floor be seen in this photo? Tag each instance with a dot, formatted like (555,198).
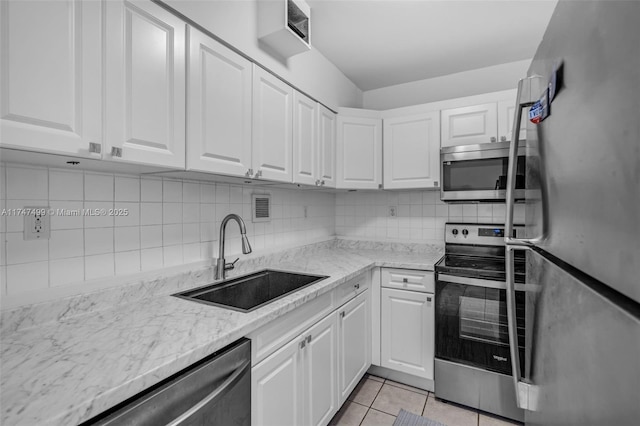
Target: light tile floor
(376,401)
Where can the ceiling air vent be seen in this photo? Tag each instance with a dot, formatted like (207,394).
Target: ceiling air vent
(261,207)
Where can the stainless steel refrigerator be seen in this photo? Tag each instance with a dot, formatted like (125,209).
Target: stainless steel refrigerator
(582,364)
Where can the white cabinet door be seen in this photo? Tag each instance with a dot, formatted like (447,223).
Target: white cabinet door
(407,341)
(469,125)
(277,388)
(50,73)
(359,156)
(506,109)
(219,108)
(326,147)
(145,84)
(412,151)
(354,343)
(272,127)
(321,377)
(305,117)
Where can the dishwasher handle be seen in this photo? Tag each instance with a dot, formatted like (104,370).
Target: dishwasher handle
(218,393)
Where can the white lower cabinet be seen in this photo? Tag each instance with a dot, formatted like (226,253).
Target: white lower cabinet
(354,343)
(276,388)
(407,332)
(306,380)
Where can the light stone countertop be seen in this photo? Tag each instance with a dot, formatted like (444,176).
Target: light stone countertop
(66,371)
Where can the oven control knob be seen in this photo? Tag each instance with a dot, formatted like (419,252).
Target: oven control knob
(465,232)
(454,232)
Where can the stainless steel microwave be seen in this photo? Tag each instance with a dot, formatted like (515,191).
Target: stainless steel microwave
(479,172)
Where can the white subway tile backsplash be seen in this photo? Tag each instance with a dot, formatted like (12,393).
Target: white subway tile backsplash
(21,251)
(99,266)
(66,271)
(171,234)
(191,233)
(127,238)
(127,188)
(171,213)
(150,190)
(172,255)
(97,214)
(191,212)
(207,212)
(27,277)
(171,191)
(98,187)
(151,236)
(455,210)
(127,214)
(207,193)
(222,194)
(190,192)
(66,243)
(98,241)
(150,213)
(191,252)
(127,262)
(15,222)
(27,183)
(66,185)
(151,258)
(67,214)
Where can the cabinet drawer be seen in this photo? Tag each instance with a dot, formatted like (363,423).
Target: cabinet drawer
(408,279)
(267,339)
(351,289)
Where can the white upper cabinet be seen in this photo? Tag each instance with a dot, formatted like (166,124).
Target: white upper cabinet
(50,73)
(326,147)
(272,127)
(412,151)
(359,149)
(506,111)
(218,108)
(305,137)
(145,84)
(470,125)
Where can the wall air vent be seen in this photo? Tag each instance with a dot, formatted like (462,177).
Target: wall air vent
(261,207)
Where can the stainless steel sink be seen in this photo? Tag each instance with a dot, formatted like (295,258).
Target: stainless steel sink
(251,291)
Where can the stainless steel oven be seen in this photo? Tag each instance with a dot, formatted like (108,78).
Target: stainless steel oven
(479,172)
(473,359)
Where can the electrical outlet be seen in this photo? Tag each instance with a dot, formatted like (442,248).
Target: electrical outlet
(393,211)
(306,211)
(36,223)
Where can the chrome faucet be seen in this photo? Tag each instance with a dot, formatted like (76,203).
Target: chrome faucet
(221,265)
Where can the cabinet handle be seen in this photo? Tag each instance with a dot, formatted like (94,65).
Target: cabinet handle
(303,344)
(405,280)
(493,139)
(342,314)
(249,173)
(258,174)
(309,339)
(317,182)
(435,183)
(116,152)
(356,286)
(503,138)
(322,182)
(428,299)
(95,148)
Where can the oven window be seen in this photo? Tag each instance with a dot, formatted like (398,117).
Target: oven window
(480,175)
(472,328)
(484,320)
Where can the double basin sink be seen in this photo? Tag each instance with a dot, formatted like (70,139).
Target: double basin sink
(252,291)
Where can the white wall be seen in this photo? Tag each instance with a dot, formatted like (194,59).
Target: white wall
(420,215)
(171,222)
(468,83)
(235,22)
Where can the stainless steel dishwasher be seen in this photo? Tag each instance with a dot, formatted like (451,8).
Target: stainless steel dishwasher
(214,391)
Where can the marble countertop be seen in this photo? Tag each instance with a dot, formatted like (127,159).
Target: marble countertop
(66,371)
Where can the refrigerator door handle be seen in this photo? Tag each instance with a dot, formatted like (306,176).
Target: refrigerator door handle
(528,92)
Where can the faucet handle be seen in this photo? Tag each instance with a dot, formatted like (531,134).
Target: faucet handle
(231,265)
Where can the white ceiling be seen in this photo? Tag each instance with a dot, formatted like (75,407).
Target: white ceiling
(379,43)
